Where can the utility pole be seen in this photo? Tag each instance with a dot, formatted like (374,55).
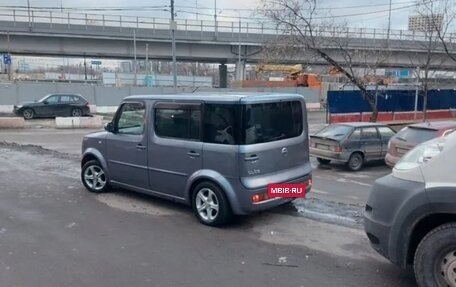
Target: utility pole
(173,47)
(240,74)
(389,24)
(417,91)
(197,11)
(85,67)
(215,18)
(147,58)
(134,55)
(29,19)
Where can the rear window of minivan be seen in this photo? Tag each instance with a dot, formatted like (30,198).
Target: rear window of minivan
(267,122)
(252,123)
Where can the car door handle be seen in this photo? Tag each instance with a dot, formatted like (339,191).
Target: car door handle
(140,147)
(193,153)
(253,157)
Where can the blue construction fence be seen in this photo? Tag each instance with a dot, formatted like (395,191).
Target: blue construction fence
(341,102)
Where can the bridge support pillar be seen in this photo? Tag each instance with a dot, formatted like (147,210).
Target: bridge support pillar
(240,70)
(223,76)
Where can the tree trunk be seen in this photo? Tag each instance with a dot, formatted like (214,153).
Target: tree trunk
(425,97)
(367,95)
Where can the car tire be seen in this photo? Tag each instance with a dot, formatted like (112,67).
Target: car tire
(210,205)
(94,177)
(28,114)
(76,112)
(355,162)
(435,258)
(323,161)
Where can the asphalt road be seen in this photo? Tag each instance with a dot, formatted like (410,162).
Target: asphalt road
(331,182)
(54,233)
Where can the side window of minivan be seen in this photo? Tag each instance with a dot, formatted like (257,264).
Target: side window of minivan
(220,125)
(130,119)
(180,122)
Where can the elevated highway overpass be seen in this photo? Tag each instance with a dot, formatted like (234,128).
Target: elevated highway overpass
(50,33)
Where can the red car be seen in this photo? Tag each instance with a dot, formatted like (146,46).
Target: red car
(412,135)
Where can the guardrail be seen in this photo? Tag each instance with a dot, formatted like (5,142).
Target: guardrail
(235,28)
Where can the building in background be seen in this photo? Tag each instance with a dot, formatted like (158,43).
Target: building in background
(425,23)
(126,67)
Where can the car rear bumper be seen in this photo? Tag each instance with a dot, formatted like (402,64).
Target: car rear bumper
(245,205)
(391,160)
(327,154)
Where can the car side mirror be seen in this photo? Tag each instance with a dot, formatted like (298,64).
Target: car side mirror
(109,127)
(45,102)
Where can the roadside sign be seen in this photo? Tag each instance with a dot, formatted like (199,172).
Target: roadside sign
(97,63)
(7,59)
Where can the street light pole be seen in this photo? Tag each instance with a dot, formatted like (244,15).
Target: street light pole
(134,52)
(389,23)
(173,47)
(240,76)
(28,11)
(416,92)
(147,58)
(215,18)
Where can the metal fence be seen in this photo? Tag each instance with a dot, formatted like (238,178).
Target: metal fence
(343,102)
(103,21)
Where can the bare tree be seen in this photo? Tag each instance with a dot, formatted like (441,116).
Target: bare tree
(446,11)
(432,34)
(305,33)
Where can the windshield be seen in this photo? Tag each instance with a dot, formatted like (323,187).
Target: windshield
(44,98)
(334,131)
(416,135)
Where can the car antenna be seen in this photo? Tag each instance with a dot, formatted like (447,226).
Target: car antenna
(196,89)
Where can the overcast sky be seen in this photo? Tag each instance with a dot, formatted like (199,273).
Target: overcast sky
(357,13)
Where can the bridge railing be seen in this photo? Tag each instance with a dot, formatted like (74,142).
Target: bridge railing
(234,29)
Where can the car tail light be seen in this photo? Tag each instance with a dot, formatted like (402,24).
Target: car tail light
(335,148)
(260,197)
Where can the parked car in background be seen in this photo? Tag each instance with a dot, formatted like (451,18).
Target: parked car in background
(410,215)
(214,152)
(353,143)
(412,135)
(72,105)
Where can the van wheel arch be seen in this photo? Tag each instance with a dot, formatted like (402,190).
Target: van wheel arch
(89,157)
(213,194)
(198,181)
(422,228)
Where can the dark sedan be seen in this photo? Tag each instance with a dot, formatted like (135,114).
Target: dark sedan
(65,105)
(352,143)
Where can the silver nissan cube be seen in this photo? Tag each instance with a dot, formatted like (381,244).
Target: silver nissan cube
(214,152)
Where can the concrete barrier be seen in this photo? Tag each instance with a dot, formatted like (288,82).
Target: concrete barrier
(6,108)
(79,122)
(11,122)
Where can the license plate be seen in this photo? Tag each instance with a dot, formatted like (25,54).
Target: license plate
(322,146)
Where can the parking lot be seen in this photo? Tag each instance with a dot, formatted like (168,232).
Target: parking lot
(54,233)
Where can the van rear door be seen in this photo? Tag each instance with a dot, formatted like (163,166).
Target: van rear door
(274,142)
